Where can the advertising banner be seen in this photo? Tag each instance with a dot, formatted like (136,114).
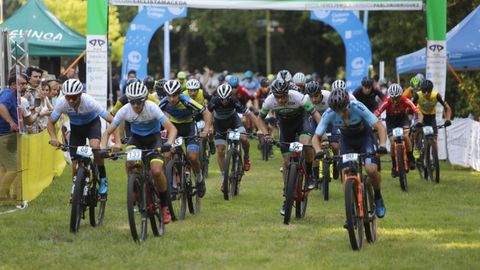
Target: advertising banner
(356,41)
(282,5)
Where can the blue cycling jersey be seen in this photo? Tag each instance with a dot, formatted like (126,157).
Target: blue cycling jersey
(145,123)
(359,115)
(87,111)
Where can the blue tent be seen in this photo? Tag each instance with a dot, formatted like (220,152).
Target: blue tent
(463,48)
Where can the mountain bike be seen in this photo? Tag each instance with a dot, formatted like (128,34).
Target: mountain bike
(359,200)
(296,185)
(182,190)
(233,166)
(427,164)
(204,153)
(400,155)
(85,189)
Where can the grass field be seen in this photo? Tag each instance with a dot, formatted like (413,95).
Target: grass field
(431,227)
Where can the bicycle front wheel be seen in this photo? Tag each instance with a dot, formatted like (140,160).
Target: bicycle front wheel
(325,180)
(352,211)
(400,161)
(290,191)
(369,219)
(433,166)
(156,216)
(176,186)
(78,204)
(229,175)
(301,199)
(137,206)
(96,204)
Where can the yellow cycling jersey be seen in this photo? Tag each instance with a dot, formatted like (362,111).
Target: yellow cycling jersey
(124,100)
(408,92)
(427,106)
(200,97)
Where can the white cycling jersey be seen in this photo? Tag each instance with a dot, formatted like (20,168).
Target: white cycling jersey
(323,105)
(143,124)
(295,106)
(88,110)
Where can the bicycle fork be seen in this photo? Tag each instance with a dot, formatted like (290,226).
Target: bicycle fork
(359,193)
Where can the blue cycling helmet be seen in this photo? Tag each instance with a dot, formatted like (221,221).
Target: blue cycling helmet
(248,74)
(233,81)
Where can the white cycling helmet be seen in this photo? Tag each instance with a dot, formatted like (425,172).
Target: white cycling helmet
(172,87)
(136,90)
(284,75)
(339,84)
(72,87)
(395,90)
(299,78)
(193,84)
(224,91)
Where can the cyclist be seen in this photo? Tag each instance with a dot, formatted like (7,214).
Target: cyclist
(180,109)
(124,100)
(415,83)
(250,83)
(225,108)
(354,121)
(261,94)
(397,107)
(244,97)
(182,79)
(145,118)
(292,110)
(368,95)
(159,91)
(426,101)
(201,96)
(149,82)
(84,112)
(299,80)
(284,75)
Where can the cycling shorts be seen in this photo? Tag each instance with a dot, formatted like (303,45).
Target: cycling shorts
(152,141)
(363,142)
(222,125)
(80,133)
(188,130)
(397,121)
(291,128)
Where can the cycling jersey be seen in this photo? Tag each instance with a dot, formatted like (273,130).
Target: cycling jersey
(88,110)
(243,95)
(359,115)
(143,124)
(428,106)
(202,96)
(295,106)
(370,100)
(408,93)
(182,112)
(251,85)
(224,111)
(260,95)
(398,108)
(124,100)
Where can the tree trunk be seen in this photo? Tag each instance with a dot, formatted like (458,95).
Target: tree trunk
(184,39)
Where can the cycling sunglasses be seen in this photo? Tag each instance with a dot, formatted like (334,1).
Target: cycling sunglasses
(137,101)
(72,97)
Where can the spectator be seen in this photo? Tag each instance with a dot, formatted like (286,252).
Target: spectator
(72,73)
(250,83)
(34,74)
(131,74)
(44,110)
(54,91)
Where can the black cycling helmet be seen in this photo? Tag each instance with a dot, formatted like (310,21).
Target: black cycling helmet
(313,88)
(427,86)
(338,100)
(264,82)
(159,88)
(367,82)
(149,82)
(279,87)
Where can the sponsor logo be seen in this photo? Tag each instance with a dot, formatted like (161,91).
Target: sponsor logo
(358,63)
(134,57)
(97,42)
(38,35)
(322,14)
(176,10)
(436,48)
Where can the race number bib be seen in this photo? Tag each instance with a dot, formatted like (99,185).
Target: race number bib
(85,151)
(428,130)
(178,142)
(134,155)
(351,157)
(296,147)
(234,135)
(398,132)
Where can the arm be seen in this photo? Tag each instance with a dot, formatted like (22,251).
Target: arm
(257,123)
(172,131)
(448,110)
(51,130)
(106,135)
(8,118)
(382,133)
(382,108)
(414,108)
(207,117)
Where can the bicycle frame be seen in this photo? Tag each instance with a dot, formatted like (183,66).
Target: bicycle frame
(354,171)
(399,141)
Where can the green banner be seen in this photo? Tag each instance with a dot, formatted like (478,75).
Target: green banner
(97,17)
(437,19)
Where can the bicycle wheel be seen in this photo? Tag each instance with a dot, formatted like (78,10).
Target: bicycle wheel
(176,183)
(155,215)
(301,199)
(400,161)
(137,206)
(204,158)
(78,204)
(369,219)
(325,180)
(352,211)
(265,151)
(228,188)
(96,204)
(290,191)
(193,200)
(433,164)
